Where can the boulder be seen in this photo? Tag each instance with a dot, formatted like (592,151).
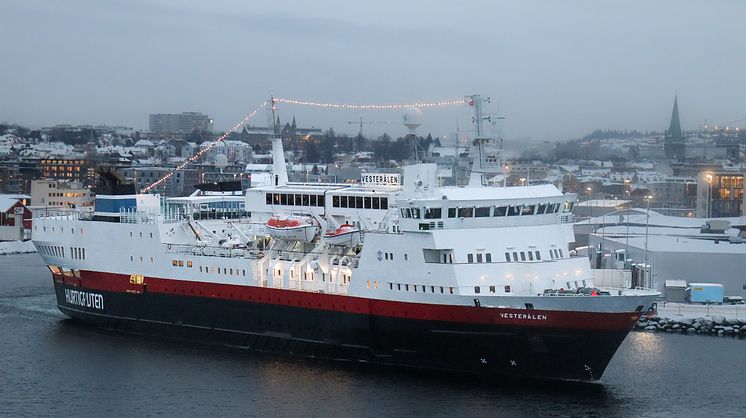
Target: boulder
(718,319)
(691,330)
(651,328)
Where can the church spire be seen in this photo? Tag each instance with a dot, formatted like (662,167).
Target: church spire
(674,130)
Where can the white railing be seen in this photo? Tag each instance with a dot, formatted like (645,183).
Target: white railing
(62,214)
(212,251)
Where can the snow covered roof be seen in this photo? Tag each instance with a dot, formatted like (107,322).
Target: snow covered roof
(7,202)
(603,203)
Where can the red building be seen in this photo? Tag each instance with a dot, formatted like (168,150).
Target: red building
(15,219)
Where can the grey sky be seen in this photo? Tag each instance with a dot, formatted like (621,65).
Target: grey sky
(557,69)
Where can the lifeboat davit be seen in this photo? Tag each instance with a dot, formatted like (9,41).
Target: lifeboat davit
(346,235)
(293,228)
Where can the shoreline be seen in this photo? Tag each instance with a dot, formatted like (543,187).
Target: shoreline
(716,325)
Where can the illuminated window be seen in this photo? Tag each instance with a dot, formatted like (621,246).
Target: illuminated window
(189,264)
(174,263)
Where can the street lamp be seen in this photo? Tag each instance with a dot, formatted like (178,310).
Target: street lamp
(647,229)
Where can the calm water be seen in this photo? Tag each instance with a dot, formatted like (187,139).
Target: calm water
(50,366)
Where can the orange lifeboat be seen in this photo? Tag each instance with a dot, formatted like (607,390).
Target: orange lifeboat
(293,228)
(346,235)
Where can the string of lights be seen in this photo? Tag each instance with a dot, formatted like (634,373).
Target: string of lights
(203,151)
(238,125)
(371,106)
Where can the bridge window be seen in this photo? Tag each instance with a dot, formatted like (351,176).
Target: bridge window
(492,289)
(283,199)
(530,256)
(514,210)
(451,212)
(466,212)
(507,288)
(268,198)
(528,210)
(433,213)
(416,213)
(358,202)
(470,257)
(501,211)
(482,212)
(367,202)
(488,257)
(507,257)
(476,289)
(541,209)
(515,256)
(335,201)
(538,255)
(523,256)
(384,203)
(479,257)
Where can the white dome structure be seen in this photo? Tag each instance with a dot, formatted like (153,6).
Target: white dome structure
(412,119)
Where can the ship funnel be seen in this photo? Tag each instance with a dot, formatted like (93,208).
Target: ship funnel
(279,167)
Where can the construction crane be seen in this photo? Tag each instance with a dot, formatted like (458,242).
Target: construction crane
(362,122)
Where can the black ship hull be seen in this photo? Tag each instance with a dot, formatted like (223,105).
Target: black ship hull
(546,352)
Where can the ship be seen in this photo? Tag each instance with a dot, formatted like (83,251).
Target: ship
(396,270)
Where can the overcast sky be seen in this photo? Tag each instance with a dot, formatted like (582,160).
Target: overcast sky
(556,69)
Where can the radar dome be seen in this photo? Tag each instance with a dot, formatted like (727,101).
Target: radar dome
(412,119)
(221,161)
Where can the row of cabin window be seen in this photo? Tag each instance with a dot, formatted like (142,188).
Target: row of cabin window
(53,250)
(44,228)
(532,256)
(292,199)
(414,288)
(132,259)
(360,202)
(482,211)
(478,289)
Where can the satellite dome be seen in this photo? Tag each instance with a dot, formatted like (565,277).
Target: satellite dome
(221,161)
(412,118)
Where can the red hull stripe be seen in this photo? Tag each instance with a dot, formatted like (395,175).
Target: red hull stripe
(113,282)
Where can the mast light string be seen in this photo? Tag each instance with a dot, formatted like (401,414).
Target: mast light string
(370,106)
(203,151)
(311,103)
